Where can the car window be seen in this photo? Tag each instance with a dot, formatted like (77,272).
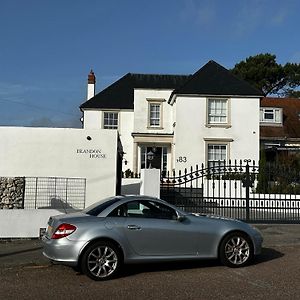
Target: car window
(144,209)
(96,209)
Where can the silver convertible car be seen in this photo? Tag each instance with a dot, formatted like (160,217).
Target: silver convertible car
(138,229)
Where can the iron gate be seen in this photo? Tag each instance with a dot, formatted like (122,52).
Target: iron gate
(239,190)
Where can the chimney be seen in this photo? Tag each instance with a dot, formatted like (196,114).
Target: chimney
(91,85)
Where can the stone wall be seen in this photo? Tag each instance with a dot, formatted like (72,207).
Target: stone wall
(12,192)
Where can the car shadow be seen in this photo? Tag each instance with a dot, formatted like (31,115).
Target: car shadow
(266,255)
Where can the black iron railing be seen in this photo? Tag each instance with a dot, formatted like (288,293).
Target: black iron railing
(233,189)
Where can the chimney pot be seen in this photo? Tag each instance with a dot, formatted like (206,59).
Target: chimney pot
(91,78)
(91,85)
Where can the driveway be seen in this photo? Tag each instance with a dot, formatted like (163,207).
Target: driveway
(25,274)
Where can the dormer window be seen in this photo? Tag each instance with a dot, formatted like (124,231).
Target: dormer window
(271,115)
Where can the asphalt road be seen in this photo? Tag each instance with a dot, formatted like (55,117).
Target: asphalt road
(25,274)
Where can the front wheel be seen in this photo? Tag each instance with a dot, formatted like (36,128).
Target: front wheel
(236,250)
(101,261)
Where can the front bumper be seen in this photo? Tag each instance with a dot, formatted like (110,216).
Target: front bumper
(257,242)
(62,251)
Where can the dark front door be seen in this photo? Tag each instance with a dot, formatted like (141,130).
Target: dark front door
(154,160)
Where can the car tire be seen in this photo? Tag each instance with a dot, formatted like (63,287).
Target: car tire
(236,250)
(101,260)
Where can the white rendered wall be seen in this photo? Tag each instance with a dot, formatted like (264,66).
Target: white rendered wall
(141,110)
(20,223)
(191,131)
(60,152)
(93,119)
(125,131)
(90,90)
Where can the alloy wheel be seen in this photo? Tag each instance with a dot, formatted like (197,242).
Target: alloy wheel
(102,261)
(237,250)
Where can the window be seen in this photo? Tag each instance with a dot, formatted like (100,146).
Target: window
(216,153)
(110,120)
(98,207)
(154,114)
(217,111)
(271,115)
(144,209)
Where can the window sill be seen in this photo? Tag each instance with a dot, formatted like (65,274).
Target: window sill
(270,124)
(218,126)
(155,128)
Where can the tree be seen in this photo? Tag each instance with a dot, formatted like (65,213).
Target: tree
(267,75)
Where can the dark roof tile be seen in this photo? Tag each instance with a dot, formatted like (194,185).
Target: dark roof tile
(213,79)
(120,95)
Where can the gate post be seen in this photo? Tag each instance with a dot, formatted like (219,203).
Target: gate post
(150,182)
(247,183)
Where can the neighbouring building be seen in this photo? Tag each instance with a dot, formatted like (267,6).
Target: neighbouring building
(279,126)
(177,121)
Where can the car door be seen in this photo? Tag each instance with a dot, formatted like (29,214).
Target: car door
(153,229)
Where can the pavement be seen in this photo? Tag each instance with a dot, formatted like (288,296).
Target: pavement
(14,252)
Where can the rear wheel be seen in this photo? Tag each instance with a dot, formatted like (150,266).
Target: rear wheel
(101,261)
(236,250)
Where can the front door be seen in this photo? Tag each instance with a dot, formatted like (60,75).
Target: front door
(153,157)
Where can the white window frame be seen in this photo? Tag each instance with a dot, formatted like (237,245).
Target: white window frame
(275,111)
(222,156)
(157,103)
(110,126)
(215,113)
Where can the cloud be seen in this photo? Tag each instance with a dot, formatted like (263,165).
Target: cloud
(295,57)
(42,122)
(201,13)
(279,17)
(13,89)
(235,19)
(60,123)
(249,17)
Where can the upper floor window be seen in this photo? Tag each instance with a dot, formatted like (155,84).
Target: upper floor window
(110,120)
(271,115)
(154,114)
(217,111)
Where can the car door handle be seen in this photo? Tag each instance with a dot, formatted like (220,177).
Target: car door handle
(134,227)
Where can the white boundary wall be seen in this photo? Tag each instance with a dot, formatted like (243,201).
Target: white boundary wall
(62,152)
(22,223)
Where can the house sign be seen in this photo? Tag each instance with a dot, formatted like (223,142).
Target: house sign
(91,153)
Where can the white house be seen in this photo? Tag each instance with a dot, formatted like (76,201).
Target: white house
(177,121)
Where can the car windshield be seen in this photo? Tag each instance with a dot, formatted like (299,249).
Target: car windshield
(96,208)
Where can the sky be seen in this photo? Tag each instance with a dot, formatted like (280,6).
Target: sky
(48,47)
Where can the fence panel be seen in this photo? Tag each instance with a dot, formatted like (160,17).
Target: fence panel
(234,190)
(54,192)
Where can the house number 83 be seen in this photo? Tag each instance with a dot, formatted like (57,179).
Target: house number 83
(181,159)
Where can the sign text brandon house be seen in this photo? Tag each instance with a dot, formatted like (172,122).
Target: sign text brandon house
(92,153)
